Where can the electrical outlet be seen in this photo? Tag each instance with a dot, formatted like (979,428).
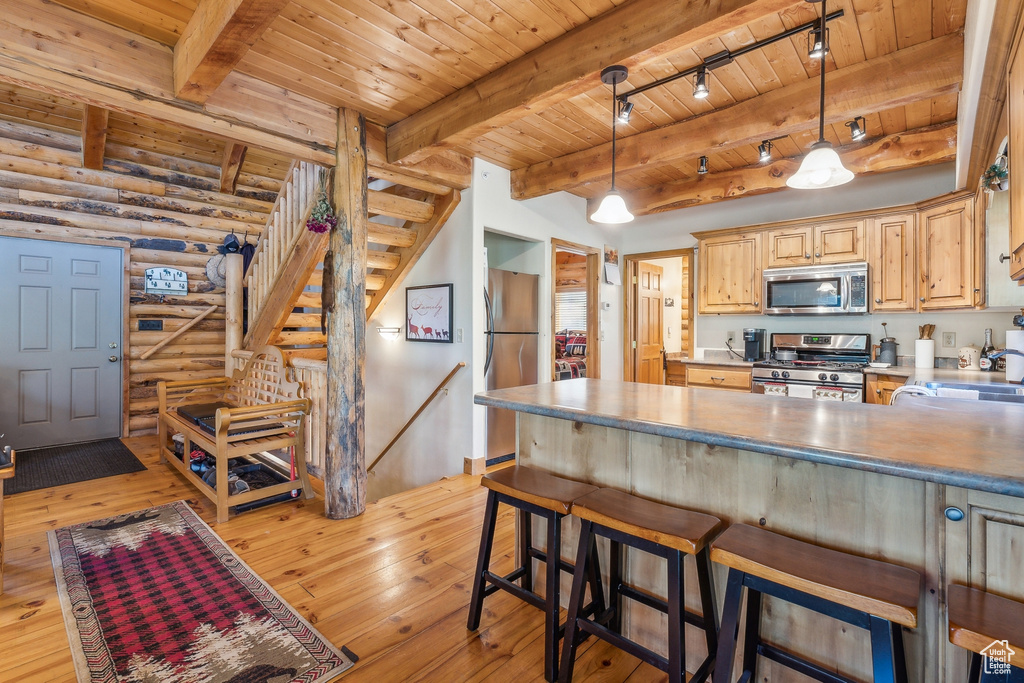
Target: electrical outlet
(730,337)
(949,340)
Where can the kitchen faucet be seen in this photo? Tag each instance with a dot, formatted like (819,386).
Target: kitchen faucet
(1006,352)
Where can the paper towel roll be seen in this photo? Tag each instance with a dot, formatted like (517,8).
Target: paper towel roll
(924,353)
(1014,364)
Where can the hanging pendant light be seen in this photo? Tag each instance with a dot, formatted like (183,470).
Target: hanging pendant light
(612,209)
(821,167)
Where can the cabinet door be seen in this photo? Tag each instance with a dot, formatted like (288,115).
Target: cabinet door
(892,258)
(730,274)
(789,247)
(879,388)
(1015,101)
(840,242)
(945,239)
(675,373)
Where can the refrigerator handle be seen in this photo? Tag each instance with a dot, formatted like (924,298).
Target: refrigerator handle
(489,332)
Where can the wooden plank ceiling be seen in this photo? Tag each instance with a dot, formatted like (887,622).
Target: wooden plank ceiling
(517,82)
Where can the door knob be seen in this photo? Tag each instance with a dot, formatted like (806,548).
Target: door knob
(113,359)
(878,301)
(113,345)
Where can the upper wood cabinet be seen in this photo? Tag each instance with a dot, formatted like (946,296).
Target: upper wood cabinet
(891,262)
(946,243)
(1015,102)
(729,268)
(805,245)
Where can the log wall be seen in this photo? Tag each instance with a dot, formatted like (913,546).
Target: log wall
(170,212)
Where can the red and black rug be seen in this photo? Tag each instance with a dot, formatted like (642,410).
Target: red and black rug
(156,596)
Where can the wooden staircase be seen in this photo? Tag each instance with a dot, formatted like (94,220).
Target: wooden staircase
(286,274)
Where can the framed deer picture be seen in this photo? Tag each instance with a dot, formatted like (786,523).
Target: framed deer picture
(428,313)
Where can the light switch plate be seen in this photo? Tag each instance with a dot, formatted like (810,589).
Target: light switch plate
(458,335)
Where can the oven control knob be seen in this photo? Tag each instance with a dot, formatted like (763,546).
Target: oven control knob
(785,374)
(834,377)
(822,376)
(775,374)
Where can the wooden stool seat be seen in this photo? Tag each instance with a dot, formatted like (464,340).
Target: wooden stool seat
(665,525)
(878,588)
(977,619)
(540,488)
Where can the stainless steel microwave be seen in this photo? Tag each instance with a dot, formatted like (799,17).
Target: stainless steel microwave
(840,289)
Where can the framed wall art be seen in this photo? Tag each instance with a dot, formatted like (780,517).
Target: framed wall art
(428,313)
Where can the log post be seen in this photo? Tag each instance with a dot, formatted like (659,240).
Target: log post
(345,466)
(232,309)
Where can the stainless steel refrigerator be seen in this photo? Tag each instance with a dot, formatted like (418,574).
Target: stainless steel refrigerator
(511,334)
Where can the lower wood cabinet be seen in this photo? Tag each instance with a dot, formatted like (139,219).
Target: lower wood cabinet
(718,377)
(879,388)
(675,373)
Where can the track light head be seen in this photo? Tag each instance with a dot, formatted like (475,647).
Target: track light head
(700,83)
(703,168)
(764,150)
(857,128)
(625,109)
(816,47)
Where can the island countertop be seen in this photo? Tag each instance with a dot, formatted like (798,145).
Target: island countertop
(974,445)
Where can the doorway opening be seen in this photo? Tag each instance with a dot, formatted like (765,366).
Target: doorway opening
(658,313)
(574,310)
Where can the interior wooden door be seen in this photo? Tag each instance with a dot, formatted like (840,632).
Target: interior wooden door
(650,324)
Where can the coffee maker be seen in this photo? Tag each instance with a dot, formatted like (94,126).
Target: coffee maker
(755,344)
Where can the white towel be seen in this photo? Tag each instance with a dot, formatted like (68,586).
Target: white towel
(946,392)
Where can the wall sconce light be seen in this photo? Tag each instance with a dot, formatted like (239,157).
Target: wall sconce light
(703,168)
(390,333)
(700,83)
(764,150)
(857,128)
(816,47)
(625,109)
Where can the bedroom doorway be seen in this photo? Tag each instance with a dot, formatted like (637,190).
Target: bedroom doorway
(574,310)
(658,312)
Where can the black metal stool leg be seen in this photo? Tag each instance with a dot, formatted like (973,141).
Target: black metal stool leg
(899,654)
(476,602)
(525,543)
(614,582)
(752,632)
(569,641)
(706,585)
(553,579)
(974,676)
(597,606)
(729,632)
(676,635)
(882,660)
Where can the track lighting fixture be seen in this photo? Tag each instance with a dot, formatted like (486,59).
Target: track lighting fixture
(857,128)
(613,209)
(625,109)
(764,150)
(816,47)
(700,83)
(703,168)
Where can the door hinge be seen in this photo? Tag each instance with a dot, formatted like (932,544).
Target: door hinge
(634,279)
(634,344)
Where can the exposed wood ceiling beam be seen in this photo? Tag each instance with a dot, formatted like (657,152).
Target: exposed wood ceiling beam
(920,147)
(231,166)
(216,38)
(49,48)
(448,167)
(633,34)
(94,136)
(923,71)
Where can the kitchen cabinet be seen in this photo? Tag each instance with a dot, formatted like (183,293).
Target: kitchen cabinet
(892,260)
(833,242)
(675,373)
(878,388)
(729,268)
(948,267)
(718,377)
(1015,102)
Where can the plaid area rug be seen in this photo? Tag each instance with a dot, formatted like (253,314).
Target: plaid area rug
(156,596)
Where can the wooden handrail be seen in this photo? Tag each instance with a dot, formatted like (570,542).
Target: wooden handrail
(177,333)
(412,419)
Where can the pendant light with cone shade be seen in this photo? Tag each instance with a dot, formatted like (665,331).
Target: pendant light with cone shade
(612,209)
(821,167)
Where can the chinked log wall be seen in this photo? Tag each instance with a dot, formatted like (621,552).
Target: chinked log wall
(165,210)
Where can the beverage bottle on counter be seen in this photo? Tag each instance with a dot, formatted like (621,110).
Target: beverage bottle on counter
(988,363)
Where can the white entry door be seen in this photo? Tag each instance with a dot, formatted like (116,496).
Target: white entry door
(60,342)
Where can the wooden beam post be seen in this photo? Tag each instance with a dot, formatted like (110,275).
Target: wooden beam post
(231,166)
(232,308)
(94,136)
(345,466)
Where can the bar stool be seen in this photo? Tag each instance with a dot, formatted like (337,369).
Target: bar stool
(992,628)
(870,594)
(531,492)
(653,528)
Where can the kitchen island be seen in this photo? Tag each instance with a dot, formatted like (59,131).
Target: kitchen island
(870,480)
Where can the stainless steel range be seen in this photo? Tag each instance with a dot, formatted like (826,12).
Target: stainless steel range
(827,367)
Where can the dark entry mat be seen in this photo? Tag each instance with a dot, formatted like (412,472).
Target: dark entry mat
(41,468)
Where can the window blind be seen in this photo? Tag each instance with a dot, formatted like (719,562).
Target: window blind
(571,311)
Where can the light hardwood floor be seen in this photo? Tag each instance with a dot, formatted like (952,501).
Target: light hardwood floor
(392,585)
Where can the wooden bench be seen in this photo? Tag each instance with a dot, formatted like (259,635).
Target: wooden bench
(266,414)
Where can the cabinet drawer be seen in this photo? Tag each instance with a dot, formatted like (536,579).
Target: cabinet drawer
(717,377)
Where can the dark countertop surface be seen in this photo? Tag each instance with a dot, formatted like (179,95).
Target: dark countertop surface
(678,358)
(975,445)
